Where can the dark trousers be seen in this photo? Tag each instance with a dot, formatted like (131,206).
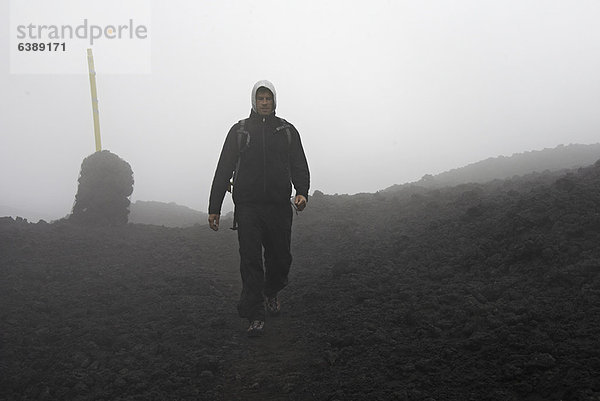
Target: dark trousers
(268,227)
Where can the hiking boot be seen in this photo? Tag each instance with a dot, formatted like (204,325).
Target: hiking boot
(272,305)
(256,329)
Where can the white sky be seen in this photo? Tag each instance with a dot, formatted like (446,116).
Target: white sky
(382,93)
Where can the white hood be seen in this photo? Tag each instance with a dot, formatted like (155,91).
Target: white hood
(265,84)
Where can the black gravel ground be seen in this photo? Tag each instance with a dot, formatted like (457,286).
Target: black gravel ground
(475,292)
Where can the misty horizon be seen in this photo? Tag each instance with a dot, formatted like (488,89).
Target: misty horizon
(34,216)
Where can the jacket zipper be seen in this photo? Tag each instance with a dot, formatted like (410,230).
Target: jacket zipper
(264,156)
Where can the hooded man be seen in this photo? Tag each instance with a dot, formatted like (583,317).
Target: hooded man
(265,155)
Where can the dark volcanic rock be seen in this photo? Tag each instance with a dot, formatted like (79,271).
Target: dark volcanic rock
(412,298)
(105,184)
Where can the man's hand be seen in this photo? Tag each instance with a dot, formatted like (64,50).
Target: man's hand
(213,221)
(300,202)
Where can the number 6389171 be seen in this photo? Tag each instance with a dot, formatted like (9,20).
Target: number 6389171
(40,47)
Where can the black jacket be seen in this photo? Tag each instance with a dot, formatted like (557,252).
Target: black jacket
(269,164)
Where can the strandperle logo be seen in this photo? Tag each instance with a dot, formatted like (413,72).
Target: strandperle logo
(83,31)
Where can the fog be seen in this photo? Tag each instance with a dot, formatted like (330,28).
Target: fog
(382,92)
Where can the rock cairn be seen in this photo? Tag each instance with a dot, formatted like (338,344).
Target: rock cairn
(105,184)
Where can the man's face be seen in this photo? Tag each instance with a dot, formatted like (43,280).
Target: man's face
(264,102)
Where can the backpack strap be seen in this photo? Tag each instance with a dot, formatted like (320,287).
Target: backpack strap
(285,126)
(242,134)
(243,141)
(288,133)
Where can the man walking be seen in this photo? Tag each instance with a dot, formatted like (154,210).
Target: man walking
(265,156)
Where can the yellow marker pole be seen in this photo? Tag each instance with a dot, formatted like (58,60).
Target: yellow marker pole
(94,99)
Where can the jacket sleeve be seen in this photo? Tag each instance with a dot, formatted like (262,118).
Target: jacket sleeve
(224,171)
(299,166)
